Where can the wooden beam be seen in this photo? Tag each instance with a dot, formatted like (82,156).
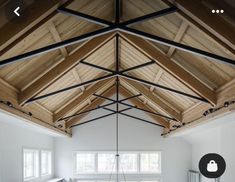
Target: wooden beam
(139,104)
(152,98)
(156,79)
(41,117)
(64,52)
(62,68)
(96,102)
(175,70)
(38,12)
(81,99)
(56,36)
(178,37)
(212,22)
(78,78)
(193,117)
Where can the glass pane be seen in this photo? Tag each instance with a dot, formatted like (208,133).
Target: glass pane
(106,163)
(150,163)
(85,163)
(30,164)
(128,163)
(45,162)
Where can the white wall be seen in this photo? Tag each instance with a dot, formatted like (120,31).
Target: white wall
(13,137)
(134,135)
(216,137)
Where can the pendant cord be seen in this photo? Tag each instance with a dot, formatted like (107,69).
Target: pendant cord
(117,105)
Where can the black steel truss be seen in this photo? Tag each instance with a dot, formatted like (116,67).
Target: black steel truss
(116,26)
(97,108)
(118,74)
(117,101)
(134,107)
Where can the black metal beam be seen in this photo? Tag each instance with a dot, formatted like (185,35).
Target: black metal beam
(135,107)
(97,67)
(117,11)
(138,66)
(163,87)
(123,110)
(103,97)
(99,107)
(86,111)
(132,97)
(94,119)
(86,17)
(140,119)
(150,16)
(177,45)
(57,45)
(133,117)
(111,28)
(127,109)
(147,111)
(71,87)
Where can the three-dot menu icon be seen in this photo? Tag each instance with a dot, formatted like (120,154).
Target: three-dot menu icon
(217,11)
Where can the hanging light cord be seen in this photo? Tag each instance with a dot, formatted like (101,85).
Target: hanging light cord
(117,126)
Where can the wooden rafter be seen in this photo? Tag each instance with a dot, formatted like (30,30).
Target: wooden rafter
(172,68)
(64,52)
(124,92)
(40,117)
(215,24)
(178,37)
(152,98)
(56,36)
(81,99)
(194,116)
(156,79)
(40,12)
(69,63)
(94,104)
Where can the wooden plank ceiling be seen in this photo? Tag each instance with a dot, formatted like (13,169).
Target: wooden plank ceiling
(59,69)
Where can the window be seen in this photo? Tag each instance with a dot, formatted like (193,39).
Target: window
(150,162)
(138,164)
(85,163)
(46,163)
(31,159)
(106,163)
(128,163)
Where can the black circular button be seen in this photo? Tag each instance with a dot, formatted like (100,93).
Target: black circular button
(212,165)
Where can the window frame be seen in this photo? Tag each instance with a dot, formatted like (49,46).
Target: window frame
(37,176)
(137,162)
(75,161)
(97,165)
(96,173)
(51,165)
(160,162)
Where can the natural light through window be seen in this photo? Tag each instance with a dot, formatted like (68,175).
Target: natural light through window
(31,164)
(150,162)
(106,162)
(85,163)
(128,163)
(46,163)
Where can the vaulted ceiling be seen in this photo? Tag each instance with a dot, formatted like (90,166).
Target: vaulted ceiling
(178,70)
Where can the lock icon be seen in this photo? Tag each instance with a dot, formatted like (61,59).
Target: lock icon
(212,166)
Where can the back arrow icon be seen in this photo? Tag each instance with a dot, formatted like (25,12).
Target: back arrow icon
(16,11)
